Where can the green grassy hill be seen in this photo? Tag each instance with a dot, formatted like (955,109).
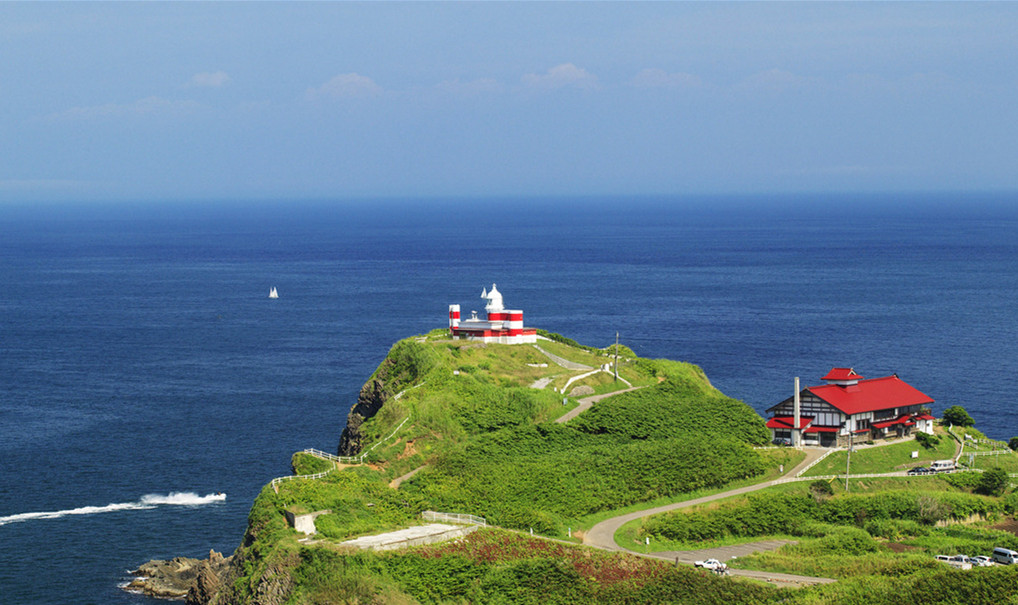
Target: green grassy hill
(477,424)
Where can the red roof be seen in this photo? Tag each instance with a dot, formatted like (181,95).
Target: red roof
(822,429)
(924,417)
(871,395)
(787,422)
(842,374)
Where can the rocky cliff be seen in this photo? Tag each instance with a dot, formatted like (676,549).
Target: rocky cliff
(373,394)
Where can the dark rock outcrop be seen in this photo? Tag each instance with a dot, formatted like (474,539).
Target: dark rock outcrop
(373,394)
(176,578)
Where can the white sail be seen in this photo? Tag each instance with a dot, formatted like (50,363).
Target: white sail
(273,293)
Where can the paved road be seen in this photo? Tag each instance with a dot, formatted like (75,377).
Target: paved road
(602,535)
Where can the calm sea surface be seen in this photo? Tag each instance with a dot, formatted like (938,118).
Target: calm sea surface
(143,367)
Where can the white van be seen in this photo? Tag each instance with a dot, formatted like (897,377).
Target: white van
(1005,556)
(942,466)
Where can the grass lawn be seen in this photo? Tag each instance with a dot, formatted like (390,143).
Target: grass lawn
(885,458)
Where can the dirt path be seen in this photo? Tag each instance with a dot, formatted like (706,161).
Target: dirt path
(395,483)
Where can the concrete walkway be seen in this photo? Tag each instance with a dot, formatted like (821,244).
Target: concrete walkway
(586,402)
(565,363)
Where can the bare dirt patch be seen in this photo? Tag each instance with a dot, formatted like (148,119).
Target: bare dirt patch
(408,450)
(898,547)
(1008,525)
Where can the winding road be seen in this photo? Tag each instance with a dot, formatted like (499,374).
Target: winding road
(602,535)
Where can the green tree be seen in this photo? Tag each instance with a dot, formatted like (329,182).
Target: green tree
(957,416)
(1013,443)
(926,440)
(993,482)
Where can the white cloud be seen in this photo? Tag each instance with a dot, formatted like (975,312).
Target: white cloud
(207,79)
(345,86)
(561,76)
(659,78)
(148,106)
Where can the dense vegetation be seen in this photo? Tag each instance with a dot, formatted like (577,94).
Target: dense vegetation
(492,566)
(798,513)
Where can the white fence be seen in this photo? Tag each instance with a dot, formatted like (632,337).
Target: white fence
(341,459)
(817,461)
(430,515)
(275,482)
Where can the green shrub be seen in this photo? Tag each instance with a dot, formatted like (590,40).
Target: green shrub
(993,482)
(926,440)
(957,416)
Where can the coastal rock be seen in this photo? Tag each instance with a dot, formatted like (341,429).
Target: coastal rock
(208,580)
(370,400)
(177,578)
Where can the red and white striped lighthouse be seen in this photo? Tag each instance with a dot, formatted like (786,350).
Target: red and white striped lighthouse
(502,326)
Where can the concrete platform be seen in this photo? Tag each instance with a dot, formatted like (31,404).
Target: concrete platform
(412,536)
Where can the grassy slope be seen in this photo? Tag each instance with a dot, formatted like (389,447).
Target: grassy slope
(886,458)
(486,444)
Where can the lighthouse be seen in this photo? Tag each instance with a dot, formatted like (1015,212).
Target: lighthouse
(500,325)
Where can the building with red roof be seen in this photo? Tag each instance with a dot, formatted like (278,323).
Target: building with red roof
(849,405)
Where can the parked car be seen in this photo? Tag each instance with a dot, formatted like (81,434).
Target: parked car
(959,561)
(712,564)
(1005,556)
(981,561)
(782,441)
(919,470)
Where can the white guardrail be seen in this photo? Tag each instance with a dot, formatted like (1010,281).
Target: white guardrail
(430,515)
(334,459)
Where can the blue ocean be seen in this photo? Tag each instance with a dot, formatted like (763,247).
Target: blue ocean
(144,370)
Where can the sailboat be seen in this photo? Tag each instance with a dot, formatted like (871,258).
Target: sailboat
(273,293)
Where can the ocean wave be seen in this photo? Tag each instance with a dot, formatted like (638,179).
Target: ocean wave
(183,499)
(148,501)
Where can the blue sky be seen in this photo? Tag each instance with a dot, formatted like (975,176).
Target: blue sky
(346,100)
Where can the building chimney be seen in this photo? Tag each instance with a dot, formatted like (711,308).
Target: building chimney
(796,433)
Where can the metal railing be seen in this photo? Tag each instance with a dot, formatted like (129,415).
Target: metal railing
(430,515)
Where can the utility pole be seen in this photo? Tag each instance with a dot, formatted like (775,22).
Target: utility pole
(848,461)
(616,356)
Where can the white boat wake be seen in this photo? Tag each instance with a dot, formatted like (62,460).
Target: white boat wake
(148,501)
